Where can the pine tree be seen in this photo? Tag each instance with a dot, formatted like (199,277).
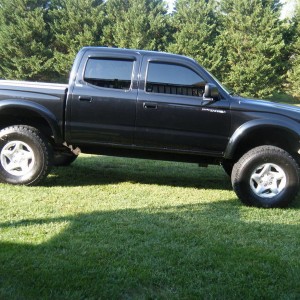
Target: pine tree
(195,23)
(74,24)
(294,72)
(139,24)
(23,39)
(252,43)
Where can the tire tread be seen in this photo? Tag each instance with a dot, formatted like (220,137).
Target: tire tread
(238,170)
(36,135)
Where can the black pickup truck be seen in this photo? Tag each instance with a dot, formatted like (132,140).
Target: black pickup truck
(152,105)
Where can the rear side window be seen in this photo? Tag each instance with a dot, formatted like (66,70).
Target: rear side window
(175,79)
(109,73)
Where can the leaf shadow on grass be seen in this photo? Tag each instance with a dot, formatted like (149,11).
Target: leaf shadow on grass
(107,170)
(187,252)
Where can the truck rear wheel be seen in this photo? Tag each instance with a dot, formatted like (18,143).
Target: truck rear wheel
(266,176)
(25,155)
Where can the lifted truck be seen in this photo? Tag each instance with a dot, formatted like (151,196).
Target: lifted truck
(152,105)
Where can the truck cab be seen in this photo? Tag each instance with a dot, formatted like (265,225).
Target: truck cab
(145,100)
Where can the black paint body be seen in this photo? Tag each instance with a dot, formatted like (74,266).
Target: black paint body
(144,124)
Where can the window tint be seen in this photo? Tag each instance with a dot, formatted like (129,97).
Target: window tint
(109,73)
(173,79)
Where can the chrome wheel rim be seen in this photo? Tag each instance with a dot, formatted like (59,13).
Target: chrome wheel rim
(17,158)
(268,180)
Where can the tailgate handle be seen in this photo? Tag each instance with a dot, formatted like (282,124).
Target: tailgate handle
(85,99)
(149,105)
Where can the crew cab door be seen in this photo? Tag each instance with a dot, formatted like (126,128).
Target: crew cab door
(172,113)
(102,106)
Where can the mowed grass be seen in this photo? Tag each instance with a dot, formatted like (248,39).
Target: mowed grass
(113,228)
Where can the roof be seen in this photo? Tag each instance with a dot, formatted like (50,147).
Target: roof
(135,51)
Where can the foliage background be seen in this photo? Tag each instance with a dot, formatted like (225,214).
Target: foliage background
(244,43)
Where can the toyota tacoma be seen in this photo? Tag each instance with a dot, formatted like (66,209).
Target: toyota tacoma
(153,105)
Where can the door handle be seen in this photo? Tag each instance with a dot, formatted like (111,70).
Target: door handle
(149,105)
(85,99)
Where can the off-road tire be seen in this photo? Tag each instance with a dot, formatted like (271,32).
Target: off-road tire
(17,142)
(259,170)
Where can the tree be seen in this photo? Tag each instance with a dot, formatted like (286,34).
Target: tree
(74,24)
(294,72)
(23,39)
(252,42)
(139,24)
(195,25)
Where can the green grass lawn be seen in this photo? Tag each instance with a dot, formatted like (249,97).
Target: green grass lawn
(113,228)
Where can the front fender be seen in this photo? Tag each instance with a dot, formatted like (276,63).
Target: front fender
(292,128)
(43,112)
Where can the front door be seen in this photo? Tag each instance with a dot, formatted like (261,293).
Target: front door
(172,114)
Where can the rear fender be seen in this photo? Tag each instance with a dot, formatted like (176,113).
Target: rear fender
(6,106)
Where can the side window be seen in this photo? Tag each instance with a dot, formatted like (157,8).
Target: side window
(109,73)
(175,79)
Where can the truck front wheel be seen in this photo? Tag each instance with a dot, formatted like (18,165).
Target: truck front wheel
(25,155)
(266,176)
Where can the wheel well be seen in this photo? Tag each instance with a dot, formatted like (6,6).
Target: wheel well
(278,137)
(26,117)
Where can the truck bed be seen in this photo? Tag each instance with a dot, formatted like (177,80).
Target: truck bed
(25,87)
(45,95)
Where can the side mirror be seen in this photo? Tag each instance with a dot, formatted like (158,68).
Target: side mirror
(211,92)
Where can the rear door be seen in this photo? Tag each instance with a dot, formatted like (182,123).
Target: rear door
(103,100)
